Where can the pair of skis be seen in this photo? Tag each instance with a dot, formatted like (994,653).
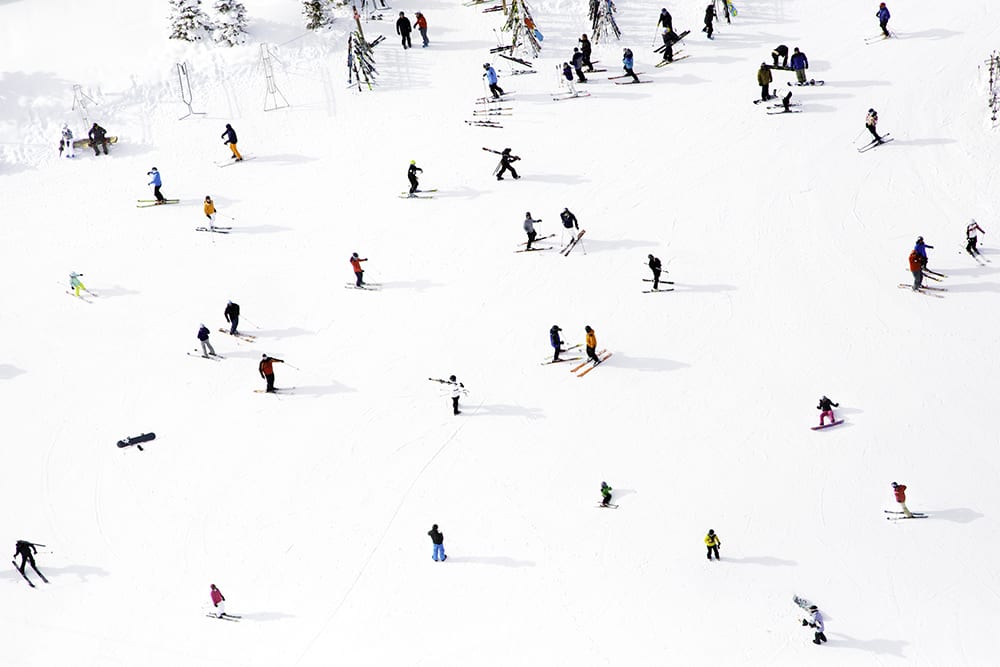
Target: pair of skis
(602,356)
(242,336)
(407,195)
(570,96)
(537,240)
(225,617)
(572,244)
(559,361)
(875,143)
(662,282)
(216,230)
(896,516)
(146,203)
(212,357)
(371,287)
(30,582)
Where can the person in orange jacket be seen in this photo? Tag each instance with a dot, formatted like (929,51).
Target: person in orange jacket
(591,342)
(266,369)
(917,269)
(899,491)
(358,271)
(210,211)
(422,27)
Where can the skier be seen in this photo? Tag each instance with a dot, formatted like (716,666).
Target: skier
(97,136)
(712,542)
(567,73)
(230,138)
(67,142)
(921,248)
(422,27)
(605,494)
(826,407)
(899,491)
(218,601)
(529,228)
(577,61)
(505,164)
(157,182)
(456,390)
(75,284)
(883,18)
(780,51)
(403,29)
(437,539)
(26,551)
(917,269)
(665,20)
(210,211)
(358,271)
(411,175)
(764,79)
(206,346)
(669,39)
(655,266)
(266,370)
(586,50)
(591,342)
(971,238)
(710,16)
(816,623)
(491,78)
(556,341)
(232,314)
(871,120)
(800,64)
(568,220)
(628,60)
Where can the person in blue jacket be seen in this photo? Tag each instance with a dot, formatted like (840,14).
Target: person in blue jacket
(921,249)
(883,18)
(156,183)
(491,78)
(556,340)
(800,64)
(628,60)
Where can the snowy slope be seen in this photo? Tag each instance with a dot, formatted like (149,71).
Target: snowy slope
(310,510)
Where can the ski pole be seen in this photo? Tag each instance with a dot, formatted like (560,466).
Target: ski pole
(856,136)
(250,322)
(292,366)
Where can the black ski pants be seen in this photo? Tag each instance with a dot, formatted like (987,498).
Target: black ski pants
(885,30)
(819,637)
(871,128)
(270,382)
(358,275)
(656,279)
(714,550)
(531,238)
(765,93)
(406,40)
(504,167)
(556,350)
(496,90)
(592,354)
(27,557)
(454,404)
(970,246)
(709,29)
(156,193)
(413,184)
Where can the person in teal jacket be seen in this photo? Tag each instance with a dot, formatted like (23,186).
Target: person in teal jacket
(75,284)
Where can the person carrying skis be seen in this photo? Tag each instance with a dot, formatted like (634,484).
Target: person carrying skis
(98,138)
(567,73)
(816,622)
(75,284)
(710,16)
(628,61)
(456,391)
(556,341)
(899,492)
(218,601)
(232,314)
(491,79)
(577,61)
(764,80)
(505,164)
(591,343)
(206,345)
(403,29)
(665,20)
(266,370)
(411,176)
(210,211)
(712,542)
(605,494)
(67,142)
(422,27)
(917,269)
(437,539)
(586,49)
(669,39)
(883,18)
(656,267)
(568,219)
(230,138)
(157,183)
(871,120)
(971,238)
(26,550)
(780,51)
(799,65)
(358,271)
(826,407)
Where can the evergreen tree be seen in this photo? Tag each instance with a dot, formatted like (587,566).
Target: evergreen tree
(318,14)
(231,25)
(188,21)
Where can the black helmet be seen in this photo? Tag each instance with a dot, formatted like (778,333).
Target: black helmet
(556,327)
(486,65)
(711,532)
(871,111)
(452,378)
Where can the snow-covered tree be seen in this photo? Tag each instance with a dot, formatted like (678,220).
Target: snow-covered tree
(188,21)
(318,13)
(230,23)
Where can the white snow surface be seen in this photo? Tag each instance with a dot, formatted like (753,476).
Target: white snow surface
(310,511)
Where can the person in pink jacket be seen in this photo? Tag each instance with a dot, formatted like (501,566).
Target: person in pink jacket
(219,600)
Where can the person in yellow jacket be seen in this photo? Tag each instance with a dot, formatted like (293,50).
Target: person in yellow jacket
(592,345)
(713,543)
(764,81)
(210,210)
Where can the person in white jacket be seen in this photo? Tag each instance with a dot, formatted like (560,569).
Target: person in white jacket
(816,623)
(67,142)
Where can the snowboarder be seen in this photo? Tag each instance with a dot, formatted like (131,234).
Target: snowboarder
(556,341)
(780,51)
(656,267)
(871,120)
(577,61)
(665,20)
(764,80)
(971,238)
(75,284)
(883,18)
(67,142)
(491,79)
(529,228)
(232,314)
(567,73)
(605,494)
(586,49)
(358,271)
(98,138)
(917,269)
(710,16)
(591,342)
(157,183)
(403,29)
(899,492)
(826,407)
(210,211)
(206,346)
(628,61)
(422,27)
(218,601)
(437,539)
(816,623)
(411,176)
(669,39)
(712,542)
(230,138)
(266,370)
(800,64)
(456,390)
(568,220)
(26,550)
(505,164)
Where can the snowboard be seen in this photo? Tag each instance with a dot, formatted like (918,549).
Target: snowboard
(818,428)
(136,439)
(85,143)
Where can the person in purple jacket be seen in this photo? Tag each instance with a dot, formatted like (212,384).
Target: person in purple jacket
(883,18)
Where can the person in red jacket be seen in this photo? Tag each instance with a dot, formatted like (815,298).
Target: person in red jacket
(917,269)
(219,602)
(358,271)
(422,27)
(899,490)
(266,369)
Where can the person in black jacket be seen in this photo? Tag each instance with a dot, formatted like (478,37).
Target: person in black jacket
(780,51)
(98,138)
(665,19)
(230,138)
(26,551)
(403,29)
(826,407)
(669,39)
(569,220)
(232,313)
(505,164)
(437,538)
(411,175)
(656,267)
(710,16)
(577,61)
(586,50)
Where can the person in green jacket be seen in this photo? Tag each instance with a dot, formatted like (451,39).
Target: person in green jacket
(606,494)
(764,80)
(713,543)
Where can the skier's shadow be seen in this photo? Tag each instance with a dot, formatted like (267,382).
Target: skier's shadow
(504,410)
(8,372)
(503,561)
(767,561)
(267,616)
(892,647)
(957,515)
(83,573)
